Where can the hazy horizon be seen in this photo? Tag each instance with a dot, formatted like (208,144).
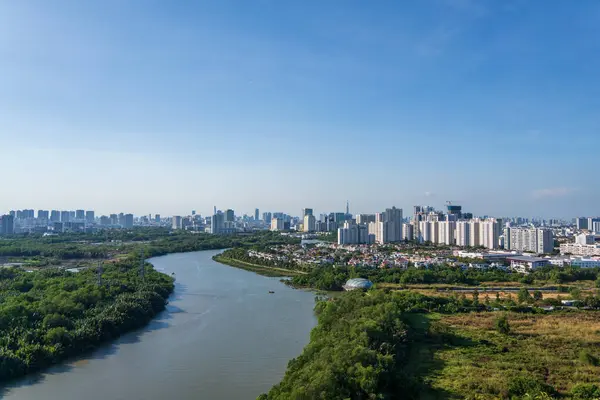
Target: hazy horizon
(167,107)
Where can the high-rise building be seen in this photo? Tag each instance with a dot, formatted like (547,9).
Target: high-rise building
(256,214)
(364,219)
(408,232)
(217,222)
(307,211)
(65,216)
(267,217)
(475,230)
(463,233)
(58,226)
(449,232)
(114,219)
(177,222)
(536,240)
(43,215)
(581,223)
(90,216)
(80,215)
(393,216)
(352,233)
(424,232)
(309,222)
(55,216)
(128,221)
(277,224)
(71,215)
(590,223)
(7,224)
(489,233)
(229,215)
(157,218)
(434,227)
(387,227)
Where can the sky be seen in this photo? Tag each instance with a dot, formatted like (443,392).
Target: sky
(149,106)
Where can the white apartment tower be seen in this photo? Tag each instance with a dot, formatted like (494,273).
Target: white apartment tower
(463,233)
(276,224)
(489,233)
(535,240)
(309,222)
(474,228)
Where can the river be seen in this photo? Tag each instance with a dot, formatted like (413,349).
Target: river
(223,336)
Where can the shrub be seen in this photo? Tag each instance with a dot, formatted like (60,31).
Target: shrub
(528,386)
(584,391)
(586,358)
(502,325)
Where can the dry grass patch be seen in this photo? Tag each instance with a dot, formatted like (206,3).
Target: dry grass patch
(550,349)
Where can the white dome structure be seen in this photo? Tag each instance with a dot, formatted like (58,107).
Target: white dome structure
(358,283)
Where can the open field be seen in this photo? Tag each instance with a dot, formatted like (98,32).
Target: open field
(463,356)
(259,269)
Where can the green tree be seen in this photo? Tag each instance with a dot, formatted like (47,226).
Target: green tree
(537,295)
(575,293)
(523,296)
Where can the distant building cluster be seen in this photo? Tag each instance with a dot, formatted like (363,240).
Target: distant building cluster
(590,224)
(451,227)
(59,221)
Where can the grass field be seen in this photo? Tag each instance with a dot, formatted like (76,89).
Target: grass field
(259,269)
(463,356)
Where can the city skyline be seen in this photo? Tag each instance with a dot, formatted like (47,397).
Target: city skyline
(490,104)
(33,212)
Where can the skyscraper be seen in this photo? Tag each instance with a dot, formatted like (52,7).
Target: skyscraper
(393,216)
(256,214)
(90,216)
(128,221)
(7,224)
(177,222)
(277,224)
(55,216)
(65,216)
(217,222)
(309,223)
(489,233)
(229,215)
(157,218)
(307,211)
(80,215)
(463,233)
(267,217)
(582,223)
(43,215)
(352,233)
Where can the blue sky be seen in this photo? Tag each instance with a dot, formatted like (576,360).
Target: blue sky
(153,106)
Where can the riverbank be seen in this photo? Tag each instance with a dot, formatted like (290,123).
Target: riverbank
(259,269)
(437,348)
(49,316)
(222,336)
